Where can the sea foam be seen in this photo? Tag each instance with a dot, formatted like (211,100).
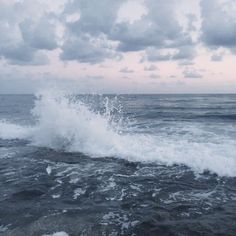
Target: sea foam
(69,124)
(57,234)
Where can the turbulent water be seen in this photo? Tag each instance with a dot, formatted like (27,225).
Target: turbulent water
(117,165)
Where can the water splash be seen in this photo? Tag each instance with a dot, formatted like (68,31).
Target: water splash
(65,122)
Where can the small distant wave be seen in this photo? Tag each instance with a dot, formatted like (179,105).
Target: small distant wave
(66,123)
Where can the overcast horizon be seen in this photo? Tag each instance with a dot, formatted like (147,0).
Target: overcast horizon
(118,46)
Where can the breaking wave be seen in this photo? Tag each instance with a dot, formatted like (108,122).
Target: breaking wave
(65,122)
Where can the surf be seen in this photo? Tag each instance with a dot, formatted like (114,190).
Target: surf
(65,122)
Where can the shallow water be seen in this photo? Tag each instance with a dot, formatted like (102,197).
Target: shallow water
(130,165)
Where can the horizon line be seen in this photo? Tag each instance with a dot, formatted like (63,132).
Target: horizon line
(219,93)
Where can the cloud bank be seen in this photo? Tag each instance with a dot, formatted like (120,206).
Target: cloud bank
(38,33)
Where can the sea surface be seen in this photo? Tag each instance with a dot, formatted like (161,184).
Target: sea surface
(117,165)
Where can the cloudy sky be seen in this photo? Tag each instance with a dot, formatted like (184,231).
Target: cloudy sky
(118,46)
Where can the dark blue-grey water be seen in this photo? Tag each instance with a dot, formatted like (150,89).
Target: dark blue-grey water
(125,165)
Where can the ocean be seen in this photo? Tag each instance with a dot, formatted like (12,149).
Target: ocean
(117,165)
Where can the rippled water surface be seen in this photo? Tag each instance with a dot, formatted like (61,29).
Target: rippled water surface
(125,165)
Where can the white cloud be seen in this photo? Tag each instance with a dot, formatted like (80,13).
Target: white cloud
(126,70)
(191,73)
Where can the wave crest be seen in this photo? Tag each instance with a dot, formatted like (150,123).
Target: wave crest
(64,122)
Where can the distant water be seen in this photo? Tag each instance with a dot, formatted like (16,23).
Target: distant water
(117,165)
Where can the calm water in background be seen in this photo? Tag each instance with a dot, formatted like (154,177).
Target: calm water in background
(126,165)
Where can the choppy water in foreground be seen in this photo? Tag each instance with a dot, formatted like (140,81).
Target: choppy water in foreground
(126,165)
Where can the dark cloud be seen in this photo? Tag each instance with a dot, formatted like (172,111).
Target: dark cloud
(218,23)
(155,55)
(135,37)
(91,32)
(22,54)
(38,59)
(87,38)
(160,30)
(85,50)
(17,52)
(98,19)
(185,52)
(40,34)
(25,30)
(95,17)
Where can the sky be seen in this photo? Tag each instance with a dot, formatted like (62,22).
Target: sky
(118,46)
